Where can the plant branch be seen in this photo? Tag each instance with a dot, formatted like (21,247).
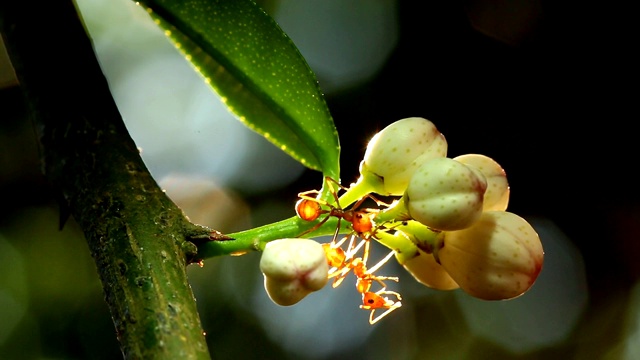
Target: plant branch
(137,236)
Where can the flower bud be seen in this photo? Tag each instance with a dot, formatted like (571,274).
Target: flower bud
(499,257)
(497,195)
(445,194)
(405,241)
(428,272)
(293,268)
(395,152)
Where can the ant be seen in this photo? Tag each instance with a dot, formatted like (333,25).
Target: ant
(342,262)
(310,208)
(375,300)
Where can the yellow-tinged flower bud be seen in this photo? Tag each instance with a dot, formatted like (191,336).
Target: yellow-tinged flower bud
(293,268)
(404,242)
(497,195)
(413,243)
(499,257)
(427,271)
(395,152)
(445,194)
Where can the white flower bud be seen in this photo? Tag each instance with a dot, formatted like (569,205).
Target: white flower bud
(499,257)
(445,194)
(497,195)
(293,268)
(395,152)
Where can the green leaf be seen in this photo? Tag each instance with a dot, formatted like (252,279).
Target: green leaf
(258,72)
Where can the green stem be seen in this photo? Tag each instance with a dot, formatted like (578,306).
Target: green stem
(355,192)
(398,242)
(425,239)
(396,212)
(256,239)
(408,238)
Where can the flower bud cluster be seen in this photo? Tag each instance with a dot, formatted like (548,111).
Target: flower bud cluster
(460,204)
(447,226)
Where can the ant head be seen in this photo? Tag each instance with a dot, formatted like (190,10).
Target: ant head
(308,210)
(335,255)
(362,222)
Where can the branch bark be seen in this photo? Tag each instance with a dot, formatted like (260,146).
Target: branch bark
(137,236)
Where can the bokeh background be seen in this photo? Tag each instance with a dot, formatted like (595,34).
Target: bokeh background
(542,87)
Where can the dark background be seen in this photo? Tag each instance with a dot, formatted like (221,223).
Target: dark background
(555,110)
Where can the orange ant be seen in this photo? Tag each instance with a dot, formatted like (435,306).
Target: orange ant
(310,208)
(342,262)
(375,300)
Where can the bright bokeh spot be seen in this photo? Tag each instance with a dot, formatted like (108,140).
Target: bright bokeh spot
(318,29)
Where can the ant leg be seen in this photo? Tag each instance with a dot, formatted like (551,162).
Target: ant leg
(365,252)
(347,264)
(381,262)
(339,243)
(374,301)
(309,192)
(369,196)
(352,250)
(387,312)
(377,201)
(366,278)
(307,195)
(351,261)
(339,278)
(334,192)
(388,292)
(330,180)
(315,227)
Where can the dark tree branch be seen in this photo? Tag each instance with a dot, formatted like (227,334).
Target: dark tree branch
(137,236)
